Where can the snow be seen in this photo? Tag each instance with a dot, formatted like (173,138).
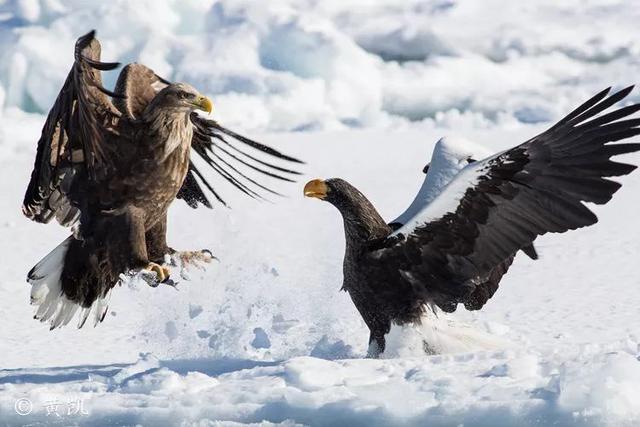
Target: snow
(265,334)
(305,64)
(360,90)
(501,388)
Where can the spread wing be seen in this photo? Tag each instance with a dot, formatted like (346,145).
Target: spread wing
(235,158)
(73,145)
(501,204)
(430,189)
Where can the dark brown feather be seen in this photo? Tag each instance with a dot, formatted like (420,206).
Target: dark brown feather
(211,146)
(78,126)
(137,85)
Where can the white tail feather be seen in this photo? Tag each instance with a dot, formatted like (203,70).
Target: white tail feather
(102,305)
(84,313)
(46,292)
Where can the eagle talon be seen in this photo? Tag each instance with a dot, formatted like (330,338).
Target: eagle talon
(172,283)
(162,272)
(210,254)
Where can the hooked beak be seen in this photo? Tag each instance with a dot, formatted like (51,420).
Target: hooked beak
(316,188)
(203,103)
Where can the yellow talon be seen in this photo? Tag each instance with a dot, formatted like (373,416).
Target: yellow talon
(162,272)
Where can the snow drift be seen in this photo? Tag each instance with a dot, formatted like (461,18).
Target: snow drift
(304,64)
(500,389)
(265,334)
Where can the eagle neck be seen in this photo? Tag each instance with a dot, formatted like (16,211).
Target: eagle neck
(172,129)
(362,222)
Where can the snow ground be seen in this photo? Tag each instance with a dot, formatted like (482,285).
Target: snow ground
(265,335)
(362,90)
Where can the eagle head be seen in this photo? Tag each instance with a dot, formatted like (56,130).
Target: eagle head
(181,97)
(362,221)
(168,115)
(336,191)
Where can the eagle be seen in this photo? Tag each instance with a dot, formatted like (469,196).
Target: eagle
(459,236)
(109,165)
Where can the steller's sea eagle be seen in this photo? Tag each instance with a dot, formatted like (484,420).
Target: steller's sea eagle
(459,236)
(109,164)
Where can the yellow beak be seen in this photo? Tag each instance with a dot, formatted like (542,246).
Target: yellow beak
(316,188)
(203,103)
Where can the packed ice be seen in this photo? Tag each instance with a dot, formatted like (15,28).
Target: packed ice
(307,64)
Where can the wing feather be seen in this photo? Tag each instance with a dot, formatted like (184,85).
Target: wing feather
(73,140)
(465,239)
(214,144)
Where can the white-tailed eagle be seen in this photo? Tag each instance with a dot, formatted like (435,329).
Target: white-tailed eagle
(109,164)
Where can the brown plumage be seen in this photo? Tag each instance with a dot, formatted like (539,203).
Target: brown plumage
(109,164)
(456,249)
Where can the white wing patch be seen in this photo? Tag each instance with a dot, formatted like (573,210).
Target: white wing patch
(450,156)
(448,200)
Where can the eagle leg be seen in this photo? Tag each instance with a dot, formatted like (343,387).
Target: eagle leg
(378,323)
(156,239)
(125,233)
(377,345)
